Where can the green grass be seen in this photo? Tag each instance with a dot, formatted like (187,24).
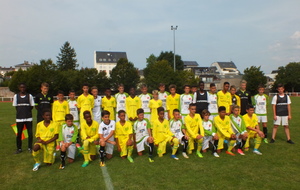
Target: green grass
(277,168)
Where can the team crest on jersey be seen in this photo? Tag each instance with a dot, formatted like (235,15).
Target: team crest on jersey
(144,124)
(165,126)
(190,98)
(165,96)
(209,125)
(52,129)
(239,120)
(264,99)
(72,132)
(41,98)
(147,97)
(93,129)
(246,94)
(49,98)
(197,119)
(104,128)
(227,122)
(124,97)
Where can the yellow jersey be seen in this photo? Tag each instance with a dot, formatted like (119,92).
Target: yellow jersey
(59,110)
(224,100)
(250,122)
(122,132)
(223,126)
(193,126)
(132,104)
(85,103)
(46,133)
(89,131)
(109,105)
(161,131)
(153,105)
(173,103)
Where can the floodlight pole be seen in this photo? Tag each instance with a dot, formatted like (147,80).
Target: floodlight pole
(174,28)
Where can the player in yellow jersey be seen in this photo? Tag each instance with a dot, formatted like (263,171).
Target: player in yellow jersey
(251,122)
(224,131)
(109,103)
(85,102)
(194,129)
(224,98)
(89,138)
(46,134)
(162,135)
(133,103)
(153,105)
(172,101)
(235,99)
(124,136)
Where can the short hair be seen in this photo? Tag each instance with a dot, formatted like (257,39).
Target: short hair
(226,83)
(121,85)
(44,84)
(107,89)
(46,111)
(212,85)
(192,104)
(161,84)
(139,111)
(221,108)
(186,85)
(235,107)
(280,85)
(232,87)
(176,110)
(249,106)
(172,86)
(60,92)
(160,109)
(243,82)
(22,83)
(155,92)
(94,87)
(121,111)
(86,112)
(85,84)
(105,112)
(144,86)
(69,117)
(205,112)
(200,82)
(71,91)
(194,86)
(261,86)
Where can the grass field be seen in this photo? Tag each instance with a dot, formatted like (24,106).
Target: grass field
(277,168)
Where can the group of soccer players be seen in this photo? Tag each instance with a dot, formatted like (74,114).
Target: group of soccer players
(198,117)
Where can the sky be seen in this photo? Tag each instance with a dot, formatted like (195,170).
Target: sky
(249,33)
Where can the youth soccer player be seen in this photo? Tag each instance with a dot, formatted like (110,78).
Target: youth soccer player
(120,100)
(195,130)
(67,138)
(132,104)
(106,135)
(239,128)
(281,104)
(245,97)
(123,135)
(260,102)
(212,101)
(224,98)
(178,129)
(172,101)
(97,104)
(43,101)
(224,131)
(163,135)
(143,135)
(89,138)
(235,99)
(210,134)
(46,134)
(145,100)
(85,102)
(162,95)
(185,100)
(153,105)
(201,98)
(109,103)
(253,129)
(194,89)
(23,102)
(73,108)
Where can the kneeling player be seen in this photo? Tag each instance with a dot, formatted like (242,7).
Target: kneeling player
(142,134)
(163,135)
(46,134)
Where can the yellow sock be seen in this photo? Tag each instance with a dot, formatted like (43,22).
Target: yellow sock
(129,149)
(231,145)
(257,142)
(175,146)
(36,156)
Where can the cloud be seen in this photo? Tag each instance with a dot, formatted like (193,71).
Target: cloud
(296,35)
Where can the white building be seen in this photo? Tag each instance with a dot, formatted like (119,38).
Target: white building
(226,68)
(23,66)
(106,60)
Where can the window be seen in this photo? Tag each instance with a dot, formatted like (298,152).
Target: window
(100,59)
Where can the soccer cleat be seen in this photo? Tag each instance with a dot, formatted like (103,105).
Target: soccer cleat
(18,151)
(240,152)
(256,151)
(102,163)
(199,154)
(272,141)
(85,164)
(150,159)
(290,141)
(57,148)
(130,159)
(216,155)
(61,166)
(174,157)
(266,140)
(185,155)
(29,150)
(230,153)
(225,141)
(36,166)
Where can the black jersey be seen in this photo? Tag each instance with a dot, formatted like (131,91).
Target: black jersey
(245,100)
(42,102)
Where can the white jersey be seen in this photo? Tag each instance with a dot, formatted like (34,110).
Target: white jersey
(73,110)
(97,109)
(145,99)
(140,129)
(260,103)
(185,101)
(67,133)
(212,103)
(163,97)
(105,130)
(176,127)
(121,100)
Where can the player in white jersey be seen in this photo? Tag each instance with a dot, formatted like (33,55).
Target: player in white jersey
(142,134)
(178,129)
(97,104)
(185,100)
(106,134)
(212,102)
(120,101)
(73,108)
(162,95)
(145,100)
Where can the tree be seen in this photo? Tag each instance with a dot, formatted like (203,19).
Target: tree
(66,59)
(124,73)
(289,77)
(254,77)
(169,56)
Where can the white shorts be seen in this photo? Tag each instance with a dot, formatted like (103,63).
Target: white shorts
(206,140)
(109,148)
(140,146)
(179,137)
(211,117)
(263,119)
(71,150)
(282,120)
(147,116)
(166,115)
(77,124)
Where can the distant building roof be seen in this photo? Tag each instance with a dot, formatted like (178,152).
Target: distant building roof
(190,63)
(274,72)
(109,57)
(25,64)
(226,64)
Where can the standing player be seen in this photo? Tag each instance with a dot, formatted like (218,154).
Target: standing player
(245,97)
(23,102)
(201,98)
(260,102)
(153,105)
(224,98)
(97,104)
(73,108)
(43,101)
(120,100)
(172,101)
(234,98)
(282,113)
(132,104)
(85,102)
(212,101)
(162,95)
(109,103)
(145,100)
(185,100)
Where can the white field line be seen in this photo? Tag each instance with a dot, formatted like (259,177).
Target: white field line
(107,179)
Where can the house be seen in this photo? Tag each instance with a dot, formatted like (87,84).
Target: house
(4,70)
(226,68)
(107,60)
(190,64)
(23,66)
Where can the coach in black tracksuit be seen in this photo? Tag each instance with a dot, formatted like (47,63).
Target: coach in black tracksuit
(245,97)
(201,99)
